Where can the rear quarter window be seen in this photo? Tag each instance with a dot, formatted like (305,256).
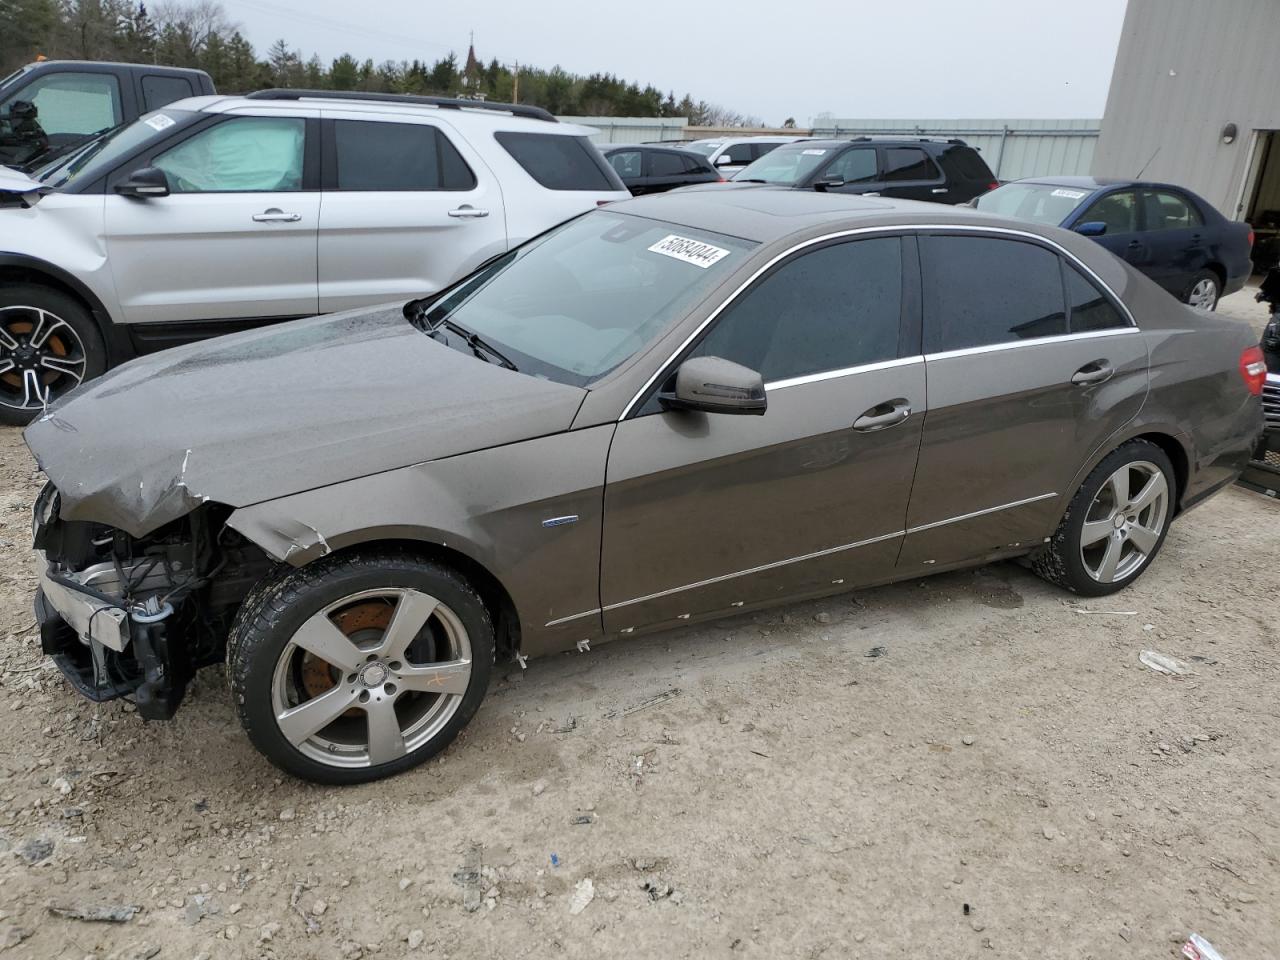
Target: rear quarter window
(560,162)
(967,163)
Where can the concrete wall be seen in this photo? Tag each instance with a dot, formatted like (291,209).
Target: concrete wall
(1012,148)
(1184,69)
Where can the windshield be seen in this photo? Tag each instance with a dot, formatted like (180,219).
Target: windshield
(573,304)
(1038,202)
(788,165)
(101,153)
(704,147)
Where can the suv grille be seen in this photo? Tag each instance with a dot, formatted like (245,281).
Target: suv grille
(1271,401)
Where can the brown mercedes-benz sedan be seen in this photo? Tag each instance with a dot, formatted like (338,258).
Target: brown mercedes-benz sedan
(667,410)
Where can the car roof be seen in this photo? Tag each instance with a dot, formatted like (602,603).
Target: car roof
(765,214)
(1099,183)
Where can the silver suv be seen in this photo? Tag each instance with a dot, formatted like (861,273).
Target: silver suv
(217,213)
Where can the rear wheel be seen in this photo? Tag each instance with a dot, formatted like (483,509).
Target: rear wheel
(1115,525)
(48,345)
(359,666)
(1203,291)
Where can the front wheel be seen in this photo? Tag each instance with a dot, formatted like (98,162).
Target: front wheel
(1203,291)
(1115,524)
(359,666)
(48,345)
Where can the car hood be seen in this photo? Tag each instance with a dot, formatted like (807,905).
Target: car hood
(264,414)
(15,181)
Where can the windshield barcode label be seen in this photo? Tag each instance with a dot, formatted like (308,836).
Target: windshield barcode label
(690,251)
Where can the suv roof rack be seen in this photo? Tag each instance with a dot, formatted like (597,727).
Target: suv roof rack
(446,103)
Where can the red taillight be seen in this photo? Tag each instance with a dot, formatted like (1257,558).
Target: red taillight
(1253,367)
(1250,239)
(993,184)
(601,203)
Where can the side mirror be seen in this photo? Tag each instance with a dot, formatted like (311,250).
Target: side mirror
(723,160)
(716,385)
(827,183)
(1091,228)
(143,183)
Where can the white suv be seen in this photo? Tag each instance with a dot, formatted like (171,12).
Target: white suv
(731,154)
(214,214)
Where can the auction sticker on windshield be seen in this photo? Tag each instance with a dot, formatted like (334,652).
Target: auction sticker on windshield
(160,122)
(690,251)
(1069,194)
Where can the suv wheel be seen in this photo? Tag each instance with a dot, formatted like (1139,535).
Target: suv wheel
(1115,524)
(1203,291)
(359,666)
(48,345)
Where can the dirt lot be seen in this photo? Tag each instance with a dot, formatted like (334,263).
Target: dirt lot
(974,765)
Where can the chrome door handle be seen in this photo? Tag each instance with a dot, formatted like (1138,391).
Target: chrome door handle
(468,213)
(882,416)
(938,190)
(276,215)
(872,193)
(1099,371)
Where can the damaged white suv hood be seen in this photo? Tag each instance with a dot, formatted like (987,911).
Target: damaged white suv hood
(14,181)
(255,416)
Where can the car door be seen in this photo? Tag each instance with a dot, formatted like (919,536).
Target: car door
(705,513)
(911,174)
(855,170)
(408,207)
(1120,211)
(236,236)
(1174,233)
(666,170)
(1031,368)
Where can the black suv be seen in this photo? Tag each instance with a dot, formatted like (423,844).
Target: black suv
(944,171)
(646,169)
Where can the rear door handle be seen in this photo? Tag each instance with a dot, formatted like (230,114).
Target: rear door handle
(1099,371)
(938,190)
(468,213)
(276,215)
(883,415)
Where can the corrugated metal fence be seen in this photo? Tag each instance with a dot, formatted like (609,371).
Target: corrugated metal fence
(631,129)
(1012,148)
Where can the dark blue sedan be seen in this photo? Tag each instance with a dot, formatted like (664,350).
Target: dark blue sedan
(1173,236)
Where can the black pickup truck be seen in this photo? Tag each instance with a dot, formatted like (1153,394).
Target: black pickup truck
(49,107)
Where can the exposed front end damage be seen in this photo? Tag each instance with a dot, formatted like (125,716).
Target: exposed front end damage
(129,616)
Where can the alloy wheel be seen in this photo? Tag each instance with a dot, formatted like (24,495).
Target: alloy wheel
(371,677)
(41,357)
(1204,295)
(1123,526)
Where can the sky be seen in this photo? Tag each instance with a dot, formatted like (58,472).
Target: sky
(927,59)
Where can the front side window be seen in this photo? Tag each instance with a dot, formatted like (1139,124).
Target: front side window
(739,153)
(627,163)
(836,307)
(854,166)
(1119,211)
(74,104)
(239,155)
(575,303)
(908,163)
(1169,211)
(980,291)
(372,155)
(558,161)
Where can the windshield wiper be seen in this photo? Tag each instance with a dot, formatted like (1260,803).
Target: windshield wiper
(479,346)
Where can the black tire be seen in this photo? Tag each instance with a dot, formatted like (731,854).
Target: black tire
(276,609)
(75,341)
(1203,277)
(1061,561)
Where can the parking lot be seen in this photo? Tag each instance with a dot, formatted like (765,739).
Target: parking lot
(971,765)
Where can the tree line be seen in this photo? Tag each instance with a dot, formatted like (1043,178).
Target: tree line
(199,34)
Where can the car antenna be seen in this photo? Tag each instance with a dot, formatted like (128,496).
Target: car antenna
(1147,164)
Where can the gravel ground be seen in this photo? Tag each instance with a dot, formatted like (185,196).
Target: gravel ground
(972,765)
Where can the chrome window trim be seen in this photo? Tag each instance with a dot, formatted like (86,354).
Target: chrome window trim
(845,372)
(570,619)
(914,229)
(980,513)
(1013,344)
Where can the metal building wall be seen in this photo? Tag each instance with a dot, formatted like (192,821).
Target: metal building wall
(1184,70)
(631,129)
(1012,148)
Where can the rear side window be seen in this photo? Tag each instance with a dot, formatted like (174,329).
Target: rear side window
(159,91)
(559,162)
(908,163)
(980,291)
(629,164)
(397,156)
(837,307)
(1119,211)
(665,165)
(1169,211)
(1089,309)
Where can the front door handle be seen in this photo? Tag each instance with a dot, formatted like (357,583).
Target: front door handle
(276,215)
(938,190)
(883,415)
(466,212)
(1099,371)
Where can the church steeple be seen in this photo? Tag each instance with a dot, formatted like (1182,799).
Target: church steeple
(471,72)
